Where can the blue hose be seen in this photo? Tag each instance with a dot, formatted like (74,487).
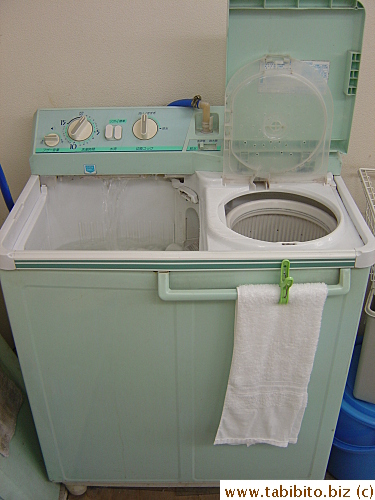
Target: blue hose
(5,190)
(184,103)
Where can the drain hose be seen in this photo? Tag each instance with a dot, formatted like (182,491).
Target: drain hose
(5,190)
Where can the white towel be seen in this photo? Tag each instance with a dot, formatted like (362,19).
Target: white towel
(273,355)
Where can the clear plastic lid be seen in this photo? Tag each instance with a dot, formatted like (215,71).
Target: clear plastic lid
(278,122)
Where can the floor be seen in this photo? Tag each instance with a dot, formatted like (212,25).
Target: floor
(153,493)
(149,494)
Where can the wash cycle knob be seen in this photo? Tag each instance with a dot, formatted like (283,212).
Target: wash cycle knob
(80,129)
(145,128)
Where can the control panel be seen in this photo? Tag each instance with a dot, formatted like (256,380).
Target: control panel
(60,134)
(116,129)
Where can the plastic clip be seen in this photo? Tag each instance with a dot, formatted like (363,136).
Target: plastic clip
(285,282)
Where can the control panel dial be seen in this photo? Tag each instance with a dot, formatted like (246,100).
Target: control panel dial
(51,140)
(80,129)
(145,128)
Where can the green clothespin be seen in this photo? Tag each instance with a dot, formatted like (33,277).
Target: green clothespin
(285,282)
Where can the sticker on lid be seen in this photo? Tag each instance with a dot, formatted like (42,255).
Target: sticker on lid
(276,85)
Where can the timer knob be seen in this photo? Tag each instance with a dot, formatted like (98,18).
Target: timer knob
(80,129)
(145,128)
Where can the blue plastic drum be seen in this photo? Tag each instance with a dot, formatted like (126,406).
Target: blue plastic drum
(348,461)
(353,449)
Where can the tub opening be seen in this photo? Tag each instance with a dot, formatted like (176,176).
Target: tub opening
(279,217)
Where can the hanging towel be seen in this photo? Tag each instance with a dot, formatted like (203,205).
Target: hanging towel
(273,355)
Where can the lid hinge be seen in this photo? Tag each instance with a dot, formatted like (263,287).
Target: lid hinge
(353,60)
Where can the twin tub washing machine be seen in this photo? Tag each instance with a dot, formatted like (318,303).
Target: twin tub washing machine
(120,259)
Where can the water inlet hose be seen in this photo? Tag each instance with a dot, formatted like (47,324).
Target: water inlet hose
(183,103)
(196,102)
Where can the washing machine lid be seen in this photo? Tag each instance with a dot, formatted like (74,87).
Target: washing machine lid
(326,34)
(278,122)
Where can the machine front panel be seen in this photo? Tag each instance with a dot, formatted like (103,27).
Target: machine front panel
(134,394)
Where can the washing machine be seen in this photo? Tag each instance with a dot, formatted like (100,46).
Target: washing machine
(120,260)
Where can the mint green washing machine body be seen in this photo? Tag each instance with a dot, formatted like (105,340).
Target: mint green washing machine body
(120,283)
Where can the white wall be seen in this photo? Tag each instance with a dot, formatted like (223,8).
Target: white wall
(85,53)
(72,53)
(362,137)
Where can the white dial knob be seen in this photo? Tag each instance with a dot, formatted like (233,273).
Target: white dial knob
(145,128)
(80,129)
(51,140)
